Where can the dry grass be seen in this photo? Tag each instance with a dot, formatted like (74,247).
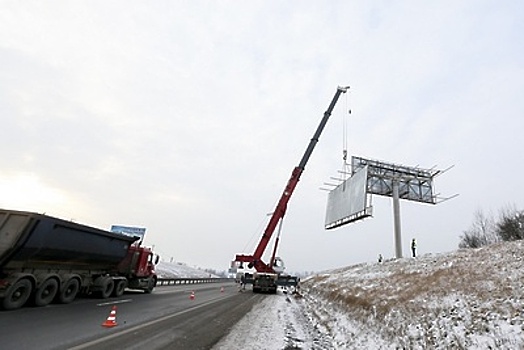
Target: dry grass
(462,299)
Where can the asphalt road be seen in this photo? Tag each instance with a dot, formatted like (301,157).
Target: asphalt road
(166,319)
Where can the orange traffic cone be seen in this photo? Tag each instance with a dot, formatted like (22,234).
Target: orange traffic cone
(192,295)
(111,319)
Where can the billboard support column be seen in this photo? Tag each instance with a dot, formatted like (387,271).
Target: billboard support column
(396,219)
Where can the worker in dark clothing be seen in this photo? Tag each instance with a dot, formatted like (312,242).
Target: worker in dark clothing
(414,247)
(243,282)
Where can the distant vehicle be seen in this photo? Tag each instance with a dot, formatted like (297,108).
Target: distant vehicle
(45,259)
(231,273)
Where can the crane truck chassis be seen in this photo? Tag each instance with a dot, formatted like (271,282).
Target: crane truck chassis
(265,282)
(45,259)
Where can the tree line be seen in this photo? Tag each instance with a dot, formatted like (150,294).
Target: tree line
(485,229)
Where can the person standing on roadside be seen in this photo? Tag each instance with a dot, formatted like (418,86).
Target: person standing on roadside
(413,248)
(242,282)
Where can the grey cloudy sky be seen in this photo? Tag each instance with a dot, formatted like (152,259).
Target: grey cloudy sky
(187,117)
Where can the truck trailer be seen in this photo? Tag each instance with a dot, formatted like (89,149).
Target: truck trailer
(45,259)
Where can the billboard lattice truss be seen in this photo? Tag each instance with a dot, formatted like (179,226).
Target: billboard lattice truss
(414,183)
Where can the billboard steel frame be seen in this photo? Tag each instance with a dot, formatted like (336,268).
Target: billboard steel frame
(398,182)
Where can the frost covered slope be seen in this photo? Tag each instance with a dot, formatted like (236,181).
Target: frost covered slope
(179,270)
(471,298)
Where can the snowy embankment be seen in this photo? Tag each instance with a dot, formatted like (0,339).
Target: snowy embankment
(180,270)
(467,299)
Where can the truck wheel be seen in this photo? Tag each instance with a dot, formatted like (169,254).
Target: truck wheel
(18,294)
(107,288)
(69,292)
(151,283)
(120,286)
(46,292)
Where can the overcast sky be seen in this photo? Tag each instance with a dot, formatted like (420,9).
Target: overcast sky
(188,117)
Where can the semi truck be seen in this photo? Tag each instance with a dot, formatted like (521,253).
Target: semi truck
(44,259)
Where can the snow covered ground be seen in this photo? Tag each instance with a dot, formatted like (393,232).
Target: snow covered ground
(467,299)
(277,323)
(180,270)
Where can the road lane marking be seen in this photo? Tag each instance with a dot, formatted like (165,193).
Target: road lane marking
(115,302)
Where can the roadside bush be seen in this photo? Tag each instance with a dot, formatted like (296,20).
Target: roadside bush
(484,230)
(511,225)
(472,239)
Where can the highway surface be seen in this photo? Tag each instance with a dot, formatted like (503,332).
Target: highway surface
(167,319)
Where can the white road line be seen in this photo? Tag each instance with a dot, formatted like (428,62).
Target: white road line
(115,302)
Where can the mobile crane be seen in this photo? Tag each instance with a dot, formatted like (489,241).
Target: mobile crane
(255,260)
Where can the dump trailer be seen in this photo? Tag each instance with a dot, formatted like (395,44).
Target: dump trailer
(45,259)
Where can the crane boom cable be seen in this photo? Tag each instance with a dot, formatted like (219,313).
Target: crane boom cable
(344,132)
(275,245)
(252,240)
(345,127)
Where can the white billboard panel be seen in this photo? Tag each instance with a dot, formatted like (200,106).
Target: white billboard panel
(348,201)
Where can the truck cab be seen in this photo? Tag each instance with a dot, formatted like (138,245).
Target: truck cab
(139,268)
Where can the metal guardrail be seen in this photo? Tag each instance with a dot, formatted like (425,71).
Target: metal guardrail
(179,281)
(282,281)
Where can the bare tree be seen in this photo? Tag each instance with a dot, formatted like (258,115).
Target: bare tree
(482,232)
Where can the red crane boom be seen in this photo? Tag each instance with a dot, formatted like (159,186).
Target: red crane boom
(255,260)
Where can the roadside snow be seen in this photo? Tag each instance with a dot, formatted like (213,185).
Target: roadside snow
(291,322)
(468,299)
(277,323)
